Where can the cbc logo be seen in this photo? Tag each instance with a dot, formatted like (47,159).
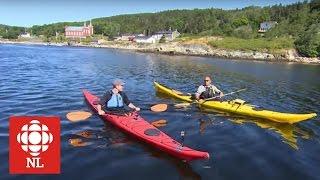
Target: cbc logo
(34,138)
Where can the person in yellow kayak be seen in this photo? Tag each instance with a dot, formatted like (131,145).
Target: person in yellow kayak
(114,99)
(207,90)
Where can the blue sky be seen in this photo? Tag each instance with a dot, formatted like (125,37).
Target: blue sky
(38,12)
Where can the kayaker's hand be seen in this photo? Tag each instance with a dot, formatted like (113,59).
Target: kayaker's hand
(200,101)
(101,112)
(137,109)
(221,94)
(115,91)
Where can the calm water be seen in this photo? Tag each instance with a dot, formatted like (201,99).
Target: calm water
(39,80)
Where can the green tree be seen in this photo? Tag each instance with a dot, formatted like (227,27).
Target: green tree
(242,21)
(49,32)
(244,32)
(315,5)
(308,43)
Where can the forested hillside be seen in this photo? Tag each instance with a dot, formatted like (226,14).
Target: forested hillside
(299,23)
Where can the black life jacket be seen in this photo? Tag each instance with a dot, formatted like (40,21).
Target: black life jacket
(209,93)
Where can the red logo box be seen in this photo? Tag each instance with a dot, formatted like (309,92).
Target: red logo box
(34,145)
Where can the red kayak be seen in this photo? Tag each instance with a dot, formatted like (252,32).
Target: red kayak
(139,128)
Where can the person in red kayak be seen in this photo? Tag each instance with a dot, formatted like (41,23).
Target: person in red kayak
(114,99)
(207,90)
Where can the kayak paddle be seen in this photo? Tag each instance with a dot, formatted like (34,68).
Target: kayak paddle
(225,94)
(180,105)
(157,108)
(76,116)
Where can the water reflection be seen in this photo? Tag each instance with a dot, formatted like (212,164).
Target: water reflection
(110,137)
(289,132)
(101,138)
(184,169)
(78,142)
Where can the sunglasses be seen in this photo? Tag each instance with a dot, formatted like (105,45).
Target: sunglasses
(206,80)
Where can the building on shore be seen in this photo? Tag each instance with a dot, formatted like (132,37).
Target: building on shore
(25,35)
(265,26)
(141,38)
(130,37)
(127,37)
(145,39)
(79,31)
(117,38)
(169,35)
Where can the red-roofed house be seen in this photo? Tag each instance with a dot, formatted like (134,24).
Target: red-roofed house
(78,31)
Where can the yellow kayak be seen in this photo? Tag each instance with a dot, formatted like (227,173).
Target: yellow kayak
(237,106)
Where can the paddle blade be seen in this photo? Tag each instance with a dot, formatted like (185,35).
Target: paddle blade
(78,116)
(159,108)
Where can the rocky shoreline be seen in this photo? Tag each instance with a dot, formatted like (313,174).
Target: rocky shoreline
(180,48)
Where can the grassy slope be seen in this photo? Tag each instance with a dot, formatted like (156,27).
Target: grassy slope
(276,45)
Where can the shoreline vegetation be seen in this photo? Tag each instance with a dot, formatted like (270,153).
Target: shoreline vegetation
(198,46)
(281,33)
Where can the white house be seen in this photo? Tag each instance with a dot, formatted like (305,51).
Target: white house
(265,26)
(127,37)
(139,35)
(145,39)
(117,38)
(169,35)
(25,35)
